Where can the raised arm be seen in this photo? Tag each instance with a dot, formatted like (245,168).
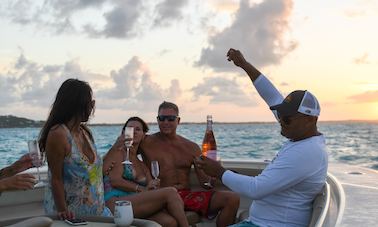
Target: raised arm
(113,168)
(264,87)
(237,57)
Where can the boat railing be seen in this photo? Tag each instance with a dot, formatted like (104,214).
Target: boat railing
(337,204)
(320,207)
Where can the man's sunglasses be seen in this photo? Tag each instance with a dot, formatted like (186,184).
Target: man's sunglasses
(167,117)
(287,120)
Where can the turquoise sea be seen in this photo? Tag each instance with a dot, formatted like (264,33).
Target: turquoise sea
(354,143)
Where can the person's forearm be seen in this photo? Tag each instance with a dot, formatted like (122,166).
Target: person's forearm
(252,72)
(3,187)
(7,172)
(126,185)
(219,173)
(58,194)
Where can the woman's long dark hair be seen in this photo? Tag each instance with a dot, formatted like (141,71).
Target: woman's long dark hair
(73,100)
(144,128)
(138,119)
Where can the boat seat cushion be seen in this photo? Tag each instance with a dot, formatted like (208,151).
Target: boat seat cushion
(34,222)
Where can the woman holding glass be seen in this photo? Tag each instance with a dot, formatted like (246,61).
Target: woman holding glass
(75,182)
(133,182)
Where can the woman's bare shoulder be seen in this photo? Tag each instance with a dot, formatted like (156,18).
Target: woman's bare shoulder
(57,131)
(57,136)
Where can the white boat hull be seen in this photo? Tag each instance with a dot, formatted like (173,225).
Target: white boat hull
(328,209)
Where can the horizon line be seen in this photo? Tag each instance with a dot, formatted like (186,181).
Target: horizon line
(245,122)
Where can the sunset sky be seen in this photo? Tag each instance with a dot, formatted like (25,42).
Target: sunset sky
(137,53)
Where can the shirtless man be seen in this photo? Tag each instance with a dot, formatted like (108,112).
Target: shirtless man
(175,155)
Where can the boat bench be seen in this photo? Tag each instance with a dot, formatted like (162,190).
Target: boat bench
(27,203)
(319,210)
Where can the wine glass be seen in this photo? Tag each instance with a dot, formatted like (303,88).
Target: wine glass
(35,154)
(208,184)
(155,170)
(129,135)
(123,213)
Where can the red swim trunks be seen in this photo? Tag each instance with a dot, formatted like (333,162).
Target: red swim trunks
(198,201)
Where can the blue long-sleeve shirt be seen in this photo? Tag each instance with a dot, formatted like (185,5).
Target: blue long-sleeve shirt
(284,191)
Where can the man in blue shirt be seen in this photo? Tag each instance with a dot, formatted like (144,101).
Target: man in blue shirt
(284,191)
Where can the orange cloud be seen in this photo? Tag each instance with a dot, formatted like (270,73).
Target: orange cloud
(362,60)
(369,96)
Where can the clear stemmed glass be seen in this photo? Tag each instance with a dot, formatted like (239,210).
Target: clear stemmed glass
(155,170)
(208,183)
(129,136)
(35,154)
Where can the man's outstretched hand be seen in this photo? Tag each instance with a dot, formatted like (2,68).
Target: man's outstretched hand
(17,182)
(209,166)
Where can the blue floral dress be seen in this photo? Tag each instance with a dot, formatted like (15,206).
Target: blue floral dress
(83,185)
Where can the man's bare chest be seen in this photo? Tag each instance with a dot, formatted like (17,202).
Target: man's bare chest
(173,156)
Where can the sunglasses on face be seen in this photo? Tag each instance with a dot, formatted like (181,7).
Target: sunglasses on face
(287,120)
(167,117)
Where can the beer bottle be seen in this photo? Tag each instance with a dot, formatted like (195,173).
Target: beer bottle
(209,146)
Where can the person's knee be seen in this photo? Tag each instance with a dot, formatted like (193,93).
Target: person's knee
(172,194)
(234,199)
(172,190)
(168,221)
(230,199)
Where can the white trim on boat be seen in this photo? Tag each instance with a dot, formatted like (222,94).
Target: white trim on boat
(341,194)
(360,185)
(324,213)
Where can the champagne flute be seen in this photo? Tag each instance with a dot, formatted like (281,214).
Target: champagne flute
(129,135)
(35,154)
(208,183)
(155,170)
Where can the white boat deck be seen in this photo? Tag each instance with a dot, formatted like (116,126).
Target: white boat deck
(361,194)
(360,187)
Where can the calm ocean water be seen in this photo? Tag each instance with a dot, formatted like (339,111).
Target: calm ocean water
(352,143)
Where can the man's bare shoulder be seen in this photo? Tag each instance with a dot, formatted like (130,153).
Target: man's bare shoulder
(150,138)
(188,142)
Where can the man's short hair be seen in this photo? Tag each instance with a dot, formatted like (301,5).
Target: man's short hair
(168,105)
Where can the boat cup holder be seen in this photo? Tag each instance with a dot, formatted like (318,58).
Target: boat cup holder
(355,173)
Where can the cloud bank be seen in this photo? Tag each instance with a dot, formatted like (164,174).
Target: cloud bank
(130,88)
(222,90)
(123,19)
(258,31)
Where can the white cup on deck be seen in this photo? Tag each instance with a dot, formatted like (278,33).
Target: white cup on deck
(123,213)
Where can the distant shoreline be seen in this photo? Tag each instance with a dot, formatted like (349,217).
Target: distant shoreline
(245,122)
(10,121)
